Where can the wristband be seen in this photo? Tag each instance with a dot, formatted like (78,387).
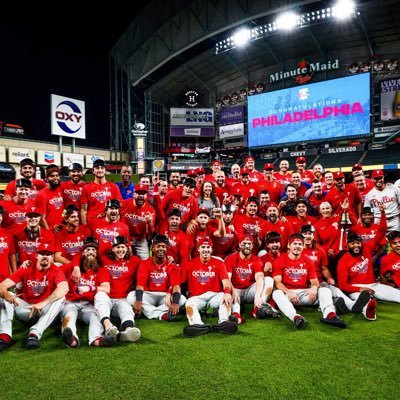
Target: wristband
(176,297)
(227,290)
(139,295)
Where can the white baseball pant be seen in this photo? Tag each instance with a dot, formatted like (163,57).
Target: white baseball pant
(382,292)
(106,307)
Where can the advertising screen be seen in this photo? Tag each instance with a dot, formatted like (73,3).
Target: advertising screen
(328,110)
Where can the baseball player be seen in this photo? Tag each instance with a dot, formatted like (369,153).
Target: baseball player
(8,261)
(158,293)
(390,264)
(245,271)
(208,286)
(72,189)
(122,267)
(42,299)
(79,300)
(296,283)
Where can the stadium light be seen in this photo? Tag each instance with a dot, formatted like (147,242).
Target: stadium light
(241,37)
(287,21)
(342,10)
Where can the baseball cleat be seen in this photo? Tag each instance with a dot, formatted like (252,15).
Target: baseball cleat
(300,322)
(107,341)
(32,342)
(6,344)
(168,317)
(69,339)
(131,334)
(227,327)
(194,330)
(334,321)
(112,331)
(361,302)
(265,311)
(236,318)
(340,305)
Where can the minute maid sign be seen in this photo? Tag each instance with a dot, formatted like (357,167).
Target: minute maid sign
(68,117)
(304,71)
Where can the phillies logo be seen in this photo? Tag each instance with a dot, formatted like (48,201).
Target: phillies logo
(305,73)
(295,274)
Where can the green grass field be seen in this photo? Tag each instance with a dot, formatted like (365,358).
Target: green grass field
(267,359)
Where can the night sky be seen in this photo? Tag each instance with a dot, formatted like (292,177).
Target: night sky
(67,55)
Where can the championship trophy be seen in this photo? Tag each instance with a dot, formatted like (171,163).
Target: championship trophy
(345,224)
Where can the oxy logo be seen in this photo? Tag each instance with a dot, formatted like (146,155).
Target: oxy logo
(68,116)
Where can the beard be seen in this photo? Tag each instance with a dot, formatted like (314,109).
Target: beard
(90,263)
(54,185)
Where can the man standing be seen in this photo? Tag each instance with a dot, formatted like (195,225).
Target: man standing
(126,186)
(306,174)
(208,286)
(297,284)
(72,189)
(43,295)
(269,183)
(254,175)
(158,292)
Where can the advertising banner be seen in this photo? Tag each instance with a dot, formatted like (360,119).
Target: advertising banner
(2,154)
(69,158)
(390,99)
(192,117)
(231,131)
(204,132)
(47,157)
(89,159)
(231,115)
(16,154)
(67,117)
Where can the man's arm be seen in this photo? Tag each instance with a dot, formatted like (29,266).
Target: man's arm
(280,286)
(60,259)
(59,292)
(259,277)
(84,209)
(12,259)
(5,294)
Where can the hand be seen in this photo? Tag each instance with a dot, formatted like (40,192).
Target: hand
(257,301)
(312,295)
(11,298)
(155,179)
(235,296)
(370,291)
(227,300)
(293,297)
(284,219)
(76,274)
(36,308)
(7,197)
(331,252)
(173,309)
(168,300)
(382,208)
(57,228)
(267,267)
(217,212)
(345,204)
(331,281)
(170,260)
(148,218)
(191,227)
(83,289)
(101,215)
(137,307)
(26,264)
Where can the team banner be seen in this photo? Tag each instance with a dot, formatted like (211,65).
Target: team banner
(390,99)
(231,131)
(47,157)
(192,117)
(231,115)
(329,110)
(68,117)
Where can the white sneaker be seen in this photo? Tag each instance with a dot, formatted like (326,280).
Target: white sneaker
(112,331)
(131,334)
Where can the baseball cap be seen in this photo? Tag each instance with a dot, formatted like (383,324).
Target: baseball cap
(273,236)
(244,171)
(99,163)
(113,203)
(300,160)
(296,236)
(367,210)
(119,240)
(90,241)
(307,228)
(357,167)
(75,166)
(23,183)
(69,210)
(52,168)
(141,188)
(377,173)
(252,199)
(191,173)
(189,182)
(302,200)
(204,240)
(204,211)
(215,162)
(160,239)
(268,167)
(45,248)
(228,208)
(199,171)
(242,238)
(26,161)
(272,204)
(174,212)
(250,158)
(392,236)
(338,175)
(33,211)
(353,237)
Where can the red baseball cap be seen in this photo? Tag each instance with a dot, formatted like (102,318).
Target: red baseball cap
(215,162)
(199,171)
(377,173)
(357,167)
(338,175)
(191,172)
(272,204)
(244,171)
(32,211)
(301,160)
(268,167)
(204,211)
(45,247)
(242,238)
(204,240)
(141,188)
(250,158)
